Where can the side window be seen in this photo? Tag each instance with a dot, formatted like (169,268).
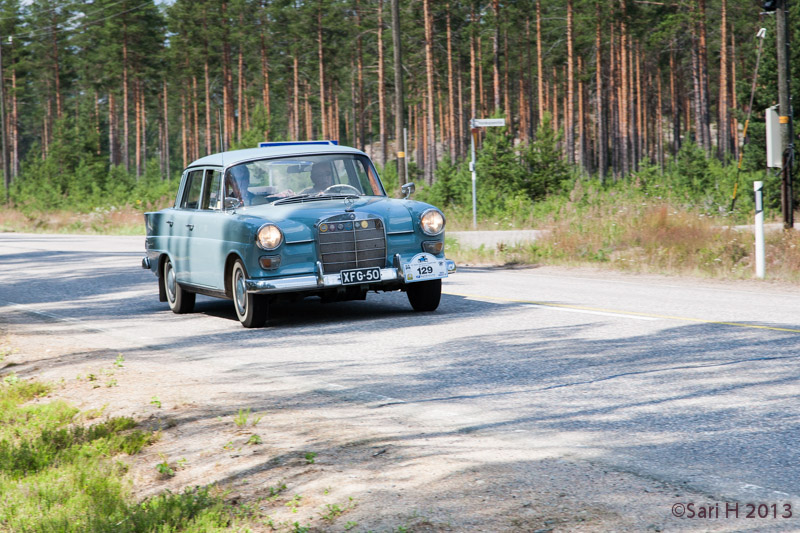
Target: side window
(211,190)
(366,175)
(191,192)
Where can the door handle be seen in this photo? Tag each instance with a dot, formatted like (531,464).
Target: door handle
(170,222)
(190,226)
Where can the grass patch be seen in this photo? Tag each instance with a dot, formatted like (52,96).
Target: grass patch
(57,475)
(126,220)
(637,232)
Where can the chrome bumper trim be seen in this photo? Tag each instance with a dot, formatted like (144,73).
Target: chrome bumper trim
(308,282)
(318,280)
(146,263)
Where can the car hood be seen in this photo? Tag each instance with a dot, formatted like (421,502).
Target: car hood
(297,220)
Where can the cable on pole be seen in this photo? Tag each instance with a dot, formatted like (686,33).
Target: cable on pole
(762,33)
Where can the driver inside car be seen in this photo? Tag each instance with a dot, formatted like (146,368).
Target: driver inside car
(322,177)
(237,184)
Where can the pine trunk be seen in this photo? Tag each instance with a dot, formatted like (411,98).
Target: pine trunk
(451,92)
(602,135)
(581,123)
(321,59)
(184,151)
(56,66)
(309,116)
(698,92)
(481,92)
(15,123)
(473,69)
(723,125)
(265,69)
(507,87)
(209,135)
(496,57)
(137,111)
(569,125)
(399,96)
(674,105)
(641,122)
(430,133)
(195,120)
(539,61)
(613,101)
(529,81)
(296,99)
(240,96)
(460,104)
(360,124)
(125,146)
(113,153)
(382,89)
(622,102)
(166,132)
(554,100)
(734,124)
(143,112)
(704,83)
(660,126)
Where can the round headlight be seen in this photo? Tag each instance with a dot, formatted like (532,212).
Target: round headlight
(432,222)
(269,237)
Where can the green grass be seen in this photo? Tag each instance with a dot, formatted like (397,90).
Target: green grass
(59,476)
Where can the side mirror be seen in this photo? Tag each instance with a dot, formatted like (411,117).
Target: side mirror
(232,202)
(408,189)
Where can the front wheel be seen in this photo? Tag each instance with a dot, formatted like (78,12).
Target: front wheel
(179,299)
(251,309)
(425,295)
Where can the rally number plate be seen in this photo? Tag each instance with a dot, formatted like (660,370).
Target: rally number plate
(423,267)
(360,275)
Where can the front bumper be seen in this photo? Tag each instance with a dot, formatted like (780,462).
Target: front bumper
(318,281)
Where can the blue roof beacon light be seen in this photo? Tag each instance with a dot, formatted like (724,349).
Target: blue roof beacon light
(297,143)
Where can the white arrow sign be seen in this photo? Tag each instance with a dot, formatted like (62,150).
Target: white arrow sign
(488,122)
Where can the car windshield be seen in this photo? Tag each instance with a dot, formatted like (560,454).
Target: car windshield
(302,178)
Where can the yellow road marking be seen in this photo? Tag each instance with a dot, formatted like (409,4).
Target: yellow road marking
(618,312)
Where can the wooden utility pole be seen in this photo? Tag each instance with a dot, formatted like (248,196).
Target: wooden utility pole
(398,92)
(785,110)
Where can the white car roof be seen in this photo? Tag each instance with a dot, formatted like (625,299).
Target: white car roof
(233,157)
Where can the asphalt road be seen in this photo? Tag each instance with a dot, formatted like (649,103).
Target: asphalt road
(691,382)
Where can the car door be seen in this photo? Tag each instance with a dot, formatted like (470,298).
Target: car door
(206,247)
(179,220)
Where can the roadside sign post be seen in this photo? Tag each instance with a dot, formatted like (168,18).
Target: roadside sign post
(475,125)
(758,187)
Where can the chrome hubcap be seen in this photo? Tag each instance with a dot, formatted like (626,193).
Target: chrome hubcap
(170,282)
(241,293)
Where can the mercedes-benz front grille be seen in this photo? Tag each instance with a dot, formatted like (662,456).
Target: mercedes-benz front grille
(345,243)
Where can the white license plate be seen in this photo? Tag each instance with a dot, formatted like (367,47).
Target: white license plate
(424,267)
(360,275)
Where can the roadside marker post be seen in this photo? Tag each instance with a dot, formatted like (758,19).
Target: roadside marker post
(758,187)
(475,125)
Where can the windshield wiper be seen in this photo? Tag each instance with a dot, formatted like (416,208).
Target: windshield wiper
(313,198)
(292,198)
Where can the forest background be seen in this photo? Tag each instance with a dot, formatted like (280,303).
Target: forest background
(610,105)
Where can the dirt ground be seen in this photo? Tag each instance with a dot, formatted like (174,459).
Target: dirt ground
(323,468)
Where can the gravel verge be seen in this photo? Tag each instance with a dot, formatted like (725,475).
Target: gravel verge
(323,467)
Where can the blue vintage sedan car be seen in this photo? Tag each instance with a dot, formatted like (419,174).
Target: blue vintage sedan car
(291,220)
